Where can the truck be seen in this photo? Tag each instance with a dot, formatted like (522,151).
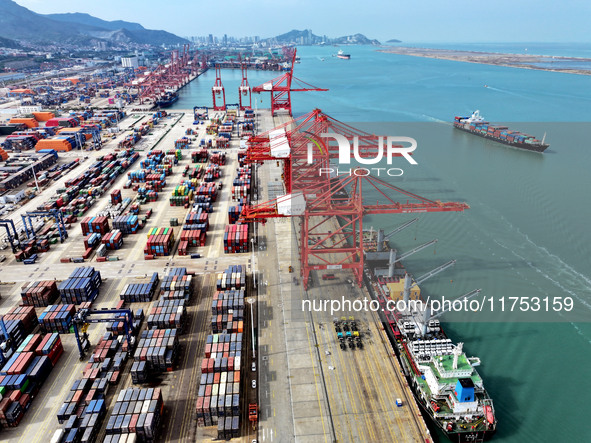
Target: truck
(31,260)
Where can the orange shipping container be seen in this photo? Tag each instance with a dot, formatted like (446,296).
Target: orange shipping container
(50,143)
(43,116)
(29,122)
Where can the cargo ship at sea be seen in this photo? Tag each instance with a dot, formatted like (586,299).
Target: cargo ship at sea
(343,56)
(443,380)
(167,99)
(475,124)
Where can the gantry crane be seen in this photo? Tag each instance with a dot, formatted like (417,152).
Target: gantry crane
(218,92)
(244,90)
(282,87)
(171,76)
(320,200)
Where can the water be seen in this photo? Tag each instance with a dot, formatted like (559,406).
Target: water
(527,230)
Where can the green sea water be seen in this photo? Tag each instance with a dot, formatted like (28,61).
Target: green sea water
(527,231)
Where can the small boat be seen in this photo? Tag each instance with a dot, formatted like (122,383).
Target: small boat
(343,56)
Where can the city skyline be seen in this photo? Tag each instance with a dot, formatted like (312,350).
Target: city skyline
(428,21)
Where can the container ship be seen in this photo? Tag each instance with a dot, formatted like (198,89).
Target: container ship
(475,124)
(167,100)
(343,56)
(444,381)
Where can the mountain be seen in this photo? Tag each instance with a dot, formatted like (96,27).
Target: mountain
(356,39)
(7,43)
(306,37)
(19,23)
(89,20)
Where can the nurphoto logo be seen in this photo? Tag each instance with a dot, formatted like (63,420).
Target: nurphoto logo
(393,148)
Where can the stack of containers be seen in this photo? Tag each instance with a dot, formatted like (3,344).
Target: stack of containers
(177,284)
(140,292)
(212,173)
(95,224)
(86,428)
(236,239)
(113,240)
(124,421)
(91,240)
(147,195)
(181,196)
(232,278)
(241,184)
(39,293)
(16,331)
(227,311)
(195,228)
(167,314)
(218,158)
(82,285)
(199,156)
(103,368)
(25,314)
(57,318)
(193,172)
(160,242)
(234,213)
(116,197)
(127,224)
(207,189)
(23,374)
(158,348)
(218,397)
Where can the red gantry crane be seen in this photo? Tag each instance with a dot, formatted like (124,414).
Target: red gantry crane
(244,90)
(163,78)
(320,199)
(282,87)
(218,92)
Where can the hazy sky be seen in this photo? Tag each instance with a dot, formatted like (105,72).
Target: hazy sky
(411,21)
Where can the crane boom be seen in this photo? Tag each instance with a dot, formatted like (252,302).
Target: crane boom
(417,249)
(433,272)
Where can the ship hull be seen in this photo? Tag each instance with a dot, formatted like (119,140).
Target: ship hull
(166,103)
(344,57)
(524,146)
(454,436)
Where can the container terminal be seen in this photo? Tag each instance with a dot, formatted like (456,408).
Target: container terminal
(152,290)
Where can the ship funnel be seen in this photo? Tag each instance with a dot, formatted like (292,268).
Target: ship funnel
(392,263)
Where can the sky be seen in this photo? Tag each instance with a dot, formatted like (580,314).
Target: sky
(434,21)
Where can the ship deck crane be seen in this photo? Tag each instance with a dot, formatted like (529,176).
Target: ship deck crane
(383,238)
(281,87)
(394,259)
(427,317)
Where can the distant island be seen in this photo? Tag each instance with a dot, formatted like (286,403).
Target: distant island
(307,38)
(524,61)
(394,41)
